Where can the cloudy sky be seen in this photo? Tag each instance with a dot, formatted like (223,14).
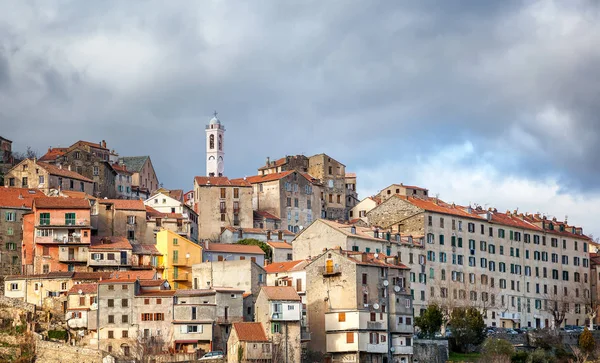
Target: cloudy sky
(488,102)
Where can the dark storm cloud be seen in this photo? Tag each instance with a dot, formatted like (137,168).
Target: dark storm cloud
(364,81)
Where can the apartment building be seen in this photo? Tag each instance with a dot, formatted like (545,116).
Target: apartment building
(122,218)
(178,255)
(153,307)
(359,307)
(595,287)
(34,174)
(82,307)
(220,203)
(520,269)
(144,256)
(143,178)
(233,252)
(251,340)
(116,333)
(279,309)
(167,212)
(56,235)
(240,274)
(266,220)
(6,158)
(351,193)
(14,204)
(290,195)
(358,213)
(403,190)
(203,318)
(280,251)
(108,253)
(123,179)
(232,235)
(48,291)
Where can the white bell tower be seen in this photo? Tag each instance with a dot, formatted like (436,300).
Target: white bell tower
(215,133)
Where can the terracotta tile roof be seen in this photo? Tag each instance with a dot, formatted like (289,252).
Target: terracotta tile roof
(234,248)
(246,294)
(220,181)
(134,163)
(176,194)
(149,283)
(110,243)
(151,212)
(121,169)
(125,204)
(286,293)
(288,266)
(117,281)
(355,220)
(264,214)
(438,206)
(61,203)
(204,292)
(350,175)
(259,231)
(50,275)
(145,249)
(361,232)
(84,288)
(91,275)
(276,163)
(142,275)
(92,144)
(75,194)
(157,293)
(369,259)
(18,197)
(250,332)
(268,177)
(53,153)
(66,173)
(283,245)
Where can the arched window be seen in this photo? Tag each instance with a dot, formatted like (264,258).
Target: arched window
(220,142)
(212,141)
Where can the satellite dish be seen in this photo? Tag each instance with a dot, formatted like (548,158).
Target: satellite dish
(80,292)
(94,306)
(376,255)
(386,282)
(376,306)
(397,288)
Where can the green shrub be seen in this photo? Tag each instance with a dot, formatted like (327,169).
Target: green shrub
(541,356)
(57,334)
(20,329)
(520,357)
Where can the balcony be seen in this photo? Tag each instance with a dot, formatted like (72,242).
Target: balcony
(66,254)
(401,349)
(59,239)
(376,325)
(182,276)
(355,320)
(403,328)
(109,263)
(510,316)
(331,270)
(179,262)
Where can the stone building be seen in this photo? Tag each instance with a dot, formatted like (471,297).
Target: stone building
(48,178)
(122,218)
(595,286)
(520,269)
(14,204)
(266,220)
(56,235)
(279,309)
(48,291)
(203,318)
(360,210)
(351,193)
(170,204)
(110,253)
(153,308)
(143,179)
(6,158)
(403,190)
(82,307)
(251,340)
(232,235)
(281,251)
(123,179)
(359,307)
(290,195)
(244,275)
(294,162)
(220,203)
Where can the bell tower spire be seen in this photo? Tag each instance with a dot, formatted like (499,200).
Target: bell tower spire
(215,137)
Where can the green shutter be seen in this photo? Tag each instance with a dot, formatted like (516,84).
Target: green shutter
(453,241)
(511,235)
(441,239)
(459,241)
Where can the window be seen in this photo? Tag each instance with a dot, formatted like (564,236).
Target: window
(111,334)
(364,278)
(11,246)
(159,316)
(111,319)
(70,219)
(342,317)
(130,219)
(275,328)
(44,219)
(124,334)
(46,269)
(350,337)
(96,170)
(441,222)
(124,303)
(124,319)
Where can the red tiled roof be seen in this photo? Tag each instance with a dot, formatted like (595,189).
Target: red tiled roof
(53,153)
(176,194)
(110,243)
(92,144)
(55,170)
(287,266)
(268,177)
(247,294)
(367,258)
(258,230)
(84,288)
(275,244)
(438,206)
(265,214)
(121,169)
(234,248)
(18,197)
(276,163)
(149,283)
(142,275)
(75,194)
(145,249)
(287,293)
(157,293)
(125,204)
(91,275)
(250,332)
(220,181)
(61,203)
(350,175)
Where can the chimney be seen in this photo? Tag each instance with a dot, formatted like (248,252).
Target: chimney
(268,161)
(364,257)
(60,166)
(69,167)
(103,144)
(50,149)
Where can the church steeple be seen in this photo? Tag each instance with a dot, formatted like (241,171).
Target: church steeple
(215,133)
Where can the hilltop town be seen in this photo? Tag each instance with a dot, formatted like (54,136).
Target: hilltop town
(287,265)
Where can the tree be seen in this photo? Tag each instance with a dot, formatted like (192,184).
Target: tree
(28,154)
(468,328)
(254,242)
(497,350)
(540,356)
(430,320)
(586,341)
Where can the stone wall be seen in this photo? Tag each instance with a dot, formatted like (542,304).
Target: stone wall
(50,352)
(396,212)
(430,351)
(16,303)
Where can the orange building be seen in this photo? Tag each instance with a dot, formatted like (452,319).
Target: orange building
(56,235)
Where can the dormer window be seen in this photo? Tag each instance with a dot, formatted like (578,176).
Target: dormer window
(353,230)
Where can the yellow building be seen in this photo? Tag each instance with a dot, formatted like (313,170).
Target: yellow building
(178,256)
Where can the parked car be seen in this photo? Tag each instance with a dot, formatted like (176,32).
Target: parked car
(217,354)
